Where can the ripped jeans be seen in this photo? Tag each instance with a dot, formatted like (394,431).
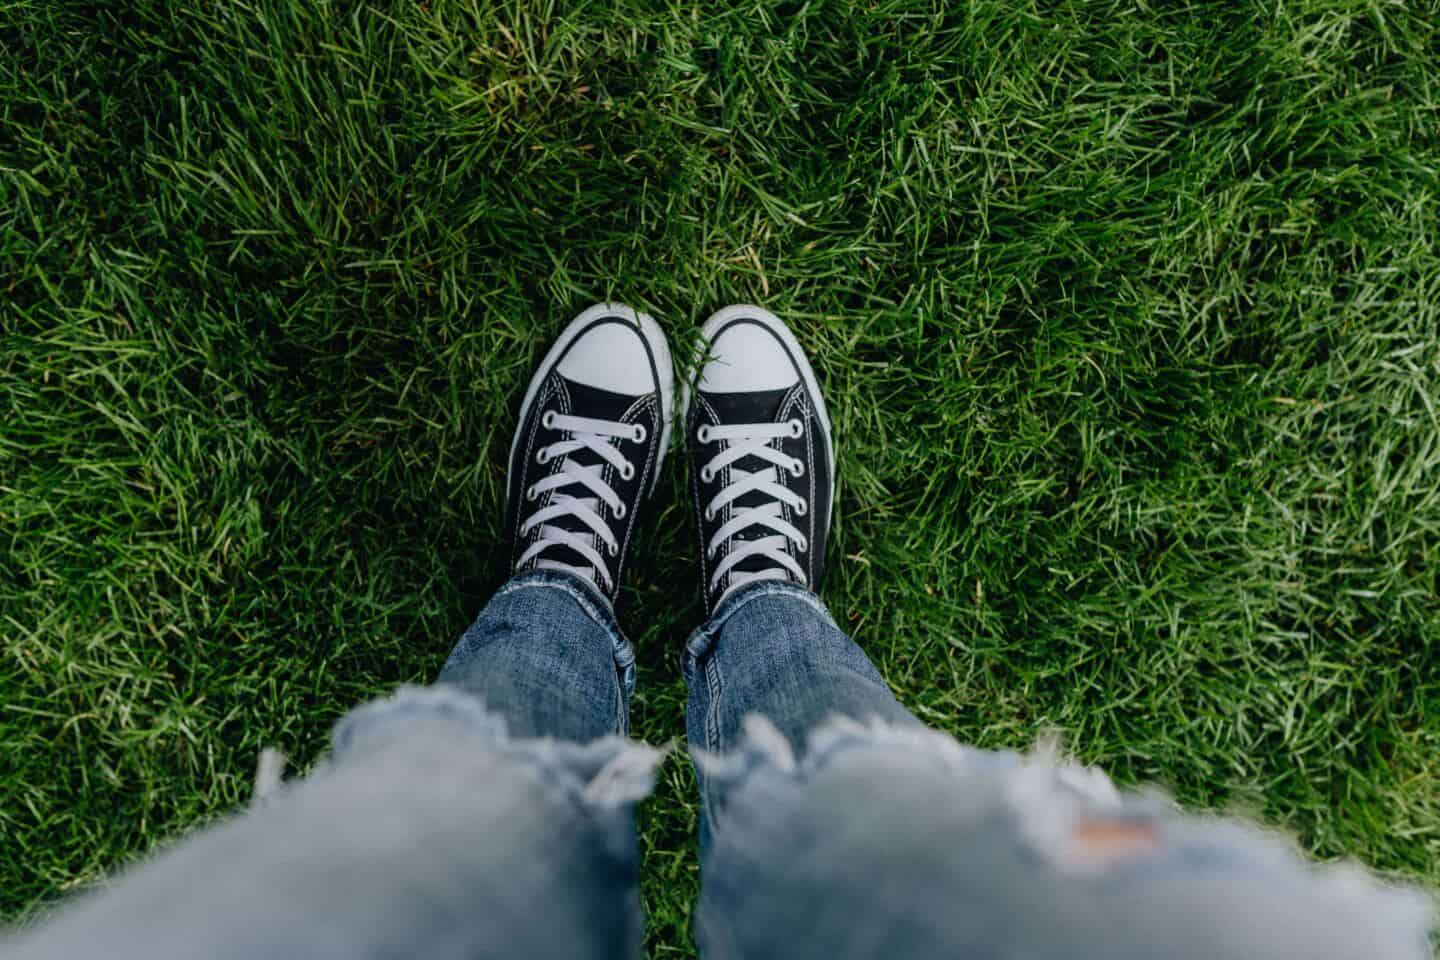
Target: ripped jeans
(492,816)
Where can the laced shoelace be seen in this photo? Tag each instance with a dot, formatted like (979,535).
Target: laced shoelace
(601,438)
(739,441)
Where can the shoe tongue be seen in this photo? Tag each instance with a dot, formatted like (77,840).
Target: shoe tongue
(757,407)
(598,404)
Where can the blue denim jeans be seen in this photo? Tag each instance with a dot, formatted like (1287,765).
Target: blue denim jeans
(492,816)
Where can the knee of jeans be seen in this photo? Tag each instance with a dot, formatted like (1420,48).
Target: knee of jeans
(902,840)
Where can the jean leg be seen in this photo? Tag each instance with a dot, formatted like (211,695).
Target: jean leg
(866,834)
(548,656)
(773,650)
(430,833)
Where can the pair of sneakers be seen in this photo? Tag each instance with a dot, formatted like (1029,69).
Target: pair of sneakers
(595,426)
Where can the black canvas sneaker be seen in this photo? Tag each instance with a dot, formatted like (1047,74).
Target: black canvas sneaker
(762,462)
(592,435)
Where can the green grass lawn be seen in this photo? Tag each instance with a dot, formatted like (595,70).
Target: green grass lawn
(1127,315)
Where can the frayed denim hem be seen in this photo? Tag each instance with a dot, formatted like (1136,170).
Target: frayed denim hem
(607,773)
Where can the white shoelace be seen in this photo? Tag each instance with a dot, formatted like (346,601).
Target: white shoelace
(739,441)
(600,437)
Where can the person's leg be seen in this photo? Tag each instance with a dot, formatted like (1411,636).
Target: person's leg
(546,653)
(490,815)
(762,479)
(836,826)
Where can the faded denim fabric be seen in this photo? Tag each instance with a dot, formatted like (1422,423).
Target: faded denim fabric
(429,834)
(773,649)
(837,826)
(493,816)
(548,656)
(886,841)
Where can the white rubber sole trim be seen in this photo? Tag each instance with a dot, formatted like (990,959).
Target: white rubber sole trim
(775,325)
(664,368)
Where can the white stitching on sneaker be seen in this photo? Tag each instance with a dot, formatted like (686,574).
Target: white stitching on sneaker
(600,437)
(739,441)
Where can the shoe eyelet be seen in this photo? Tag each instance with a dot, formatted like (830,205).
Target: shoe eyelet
(547,420)
(640,433)
(796,428)
(532,493)
(627,472)
(620,511)
(612,548)
(525,529)
(802,508)
(706,475)
(803,544)
(703,434)
(709,514)
(797,468)
(542,457)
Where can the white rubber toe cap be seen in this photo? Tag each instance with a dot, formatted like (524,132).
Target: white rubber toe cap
(747,357)
(610,355)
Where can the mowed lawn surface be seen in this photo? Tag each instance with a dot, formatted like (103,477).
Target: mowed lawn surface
(1126,312)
